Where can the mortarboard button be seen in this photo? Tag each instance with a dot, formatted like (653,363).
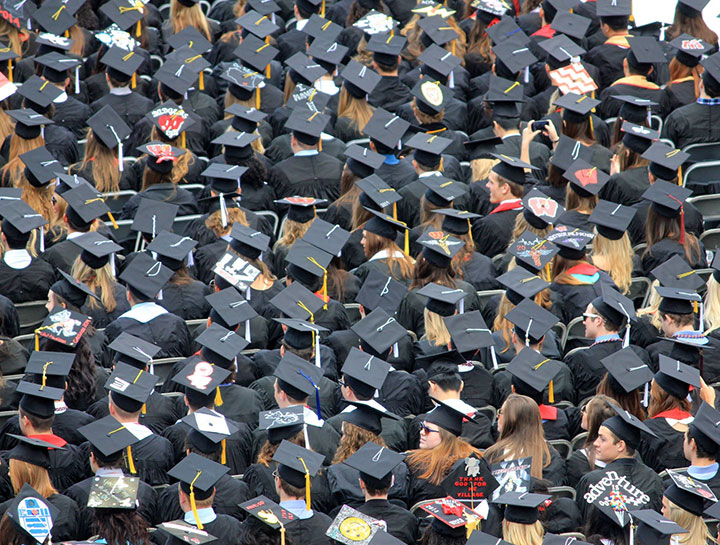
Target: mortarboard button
(154,216)
(627,369)
(146,276)
(381,291)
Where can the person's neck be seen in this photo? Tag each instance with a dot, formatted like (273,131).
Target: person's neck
(134,419)
(612,33)
(392,74)
(39,432)
(509,133)
(368,497)
(442,395)
(701,462)
(284,497)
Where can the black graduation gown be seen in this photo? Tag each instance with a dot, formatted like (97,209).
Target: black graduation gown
(663,250)
(480,271)
(400,522)
(380,265)
(636,86)
(160,412)
(12,362)
(692,124)
(609,60)
(310,530)
(238,447)
(676,94)
(73,115)
(492,233)
(308,176)
(167,331)
(101,317)
(353,253)
(390,93)
(394,432)
(636,229)
(240,404)
(643,484)
(577,466)
(291,42)
(167,192)
(339,214)
(64,468)
(666,450)
(29,284)
(229,494)
(267,360)
(539,153)
(626,187)
(574,218)
(397,174)
(570,301)
(62,255)
(147,504)
(131,108)
(65,525)
(563,390)
(186,301)
(588,371)
(227,530)
(710,361)
(345,488)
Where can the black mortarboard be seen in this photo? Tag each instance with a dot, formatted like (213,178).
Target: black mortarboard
(532,319)
(511,168)
(189,37)
(359,79)
(72,290)
(268,512)
(247,241)
(665,160)
(173,75)
(645,50)
(611,220)
(571,24)
(364,372)
(282,423)
(198,476)
(299,333)
(303,69)
(326,236)
(532,252)
(614,8)
(441,191)
(171,249)
(170,119)
(386,128)
(257,24)
(441,300)
(711,65)
(237,144)
(306,125)
(319,27)
(245,119)
(146,276)
(676,273)
(32,450)
(587,180)
(363,162)
(627,369)
(676,377)
(381,291)
(540,210)
(122,64)
(154,216)
(64,326)
(20,219)
(298,378)
(667,199)
(109,127)
(161,157)
(507,29)
(133,350)
(571,241)
(210,429)
(533,369)
(561,49)
(41,166)
(677,300)
(328,53)
(32,514)
(705,427)
(130,387)
(54,17)
(482,144)
(456,221)
(521,507)
(481,538)
(124,13)
(384,225)
(576,108)
(57,65)
(255,53)
(635,109)
(439,248)
(626,426)
(689,49)
(514,55)
(295,462)
(39,92)
(231,306)
(108,436)
(437,60)
(222,341)
(225,179)
(468,331)
(431,97)
(181,532)
(691,494)
(85,204)
(379,331)
(386,47)
(374,461)
(368,415)
(28,122)
(447,417)
(305,262)
(437,29)
(653,528)
(37,399)
(51,368)
(428,148)
(296,301)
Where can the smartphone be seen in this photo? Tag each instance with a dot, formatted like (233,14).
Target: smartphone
(539,125)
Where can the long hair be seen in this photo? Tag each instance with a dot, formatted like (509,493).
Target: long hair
(183,17)
(560,267)
(502,324)
(575,201)
(661,400)
(152,177)
(529,5)
(523,534)
(582,131)
(182,165)
(104,162)
(375,243)
(435,463)
(652,307)
(41,200)
(357,12)
(695,26)
(349,191)
(353,438)
(616,258)
(357,110)
(81,379)
(288,89)
(294,230)
(522,435)
(630,158)
(427,217)
(597,410)
(658,227)
(680,71)
(695,525)
(12,36)
(435,329)
(478,40)
(10,535)
(413,32)
(121,526)
(78,37)
(712,305)
(630,401)
(6,122)
(181,277)
(426,273)
(360,216)
(268,450)
(22,473)
(234,215)
(100,280)
(12,172)
(231,99)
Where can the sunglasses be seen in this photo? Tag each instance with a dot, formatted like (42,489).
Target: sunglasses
(425,429)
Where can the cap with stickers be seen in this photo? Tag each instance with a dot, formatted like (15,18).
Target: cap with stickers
(539,210)
(282,423)
(571,241)
(32,515)
(532,252)
(63,326)
(587,180)
(451,518)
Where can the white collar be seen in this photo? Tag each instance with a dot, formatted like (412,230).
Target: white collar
(306,153)
(121,91)
(62,98)
(74,234)
(384,254)
(431,173)
(144,312)
(17,259)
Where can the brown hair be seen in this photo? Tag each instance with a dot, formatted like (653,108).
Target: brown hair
(695,26)
(294,230)
(357,110)
(360,216)
(152,177)
(375,243)
(349,191)
(13,171)
(234,215)
(353,438)
(22,473)
(661,401)
(104,161)
(582,131)
(11,35)
(268,450)
(679,71)
(659,227)
(575,201)
(597,410)
(425,273)
(435,463)
(121,526)
(560,267)
(628,401)
(100,280)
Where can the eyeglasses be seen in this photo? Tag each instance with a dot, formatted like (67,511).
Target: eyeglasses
(587,315)
(424,429)
(342,383)
(276,474)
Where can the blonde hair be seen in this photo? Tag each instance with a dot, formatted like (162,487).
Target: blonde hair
(481,168)
(40,199)
(22,473)
(357,110)
(78,41)
(6,124)
(100,280)
(256,144)
(104,162)
(183,17)
(652,307)
(294,230)
(697,529)
(435,329)
(616,258)
(523,534)
(712,305)
(11,35)
(234,215)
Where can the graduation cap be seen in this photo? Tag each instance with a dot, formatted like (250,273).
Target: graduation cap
(587,180)
(130,387)
(296,301)
(307,262)
(133,350)
(441,300)
(232,308)
(319,27)
(72,290)
(85,205)
(145,276)
(19,219)
(676,273)
(436,30)
(711,65)
(210,431)
(678,300)
(296,465)
(222,341)
(326,236)
(428,148)
(201,380)
(654,529)
(268,512)
(363,162)
(38,92)
(431,97)
(638,137)
(614,8)
(154,216)
(705,426)
(174,76)
(375,22)
(469,332)
(375,463)
(171,249)
(386,129)
(32,514)
(56,65)
(192,38)
(689,49)
(627,369)
(245,119)
(451,517)
(54,16)
(456,221)
(482,144)
(28,123)
(665,161)
(521,507)
(182,532)
(39,399)
(237,144)
(41,166)
(676,377)
(378,331)
(225,178)
(571,24)
(576,108)
(255,53)
(386,47)
(439,248)
(611,220)
(689,493)
(124,13)
(303,69)
(561,49)
(635,109)
(358,79)
(31,450)
(511,168)
(63,326)
(170,119)
(257,24)
(364,373)
(299,378)
(667,199)
(381,291)
(307,126)
(571,241)
(514,55)
(300,335)
(51,368)
(532,370)
(307,98)
(96,249)
(539,210)
(644,50)
(532,252)
(282,423)
(122,64)
(161,157)
(328,53)
(481,538)
(532,320)
(626,426)
(438,61)
(386,226)
(447,417)
(507,29)
(112,492)
(198,476)
(441,191)
(521,284)
(247,241)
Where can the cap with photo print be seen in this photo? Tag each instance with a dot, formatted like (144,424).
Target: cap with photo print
(198,476)
(28,122)
(386,47)
(71,290)
(705,428)
(676,377)
(381,291)
(257,24)
(626,426)
(428,148)
(571,241)
(38,93)
(689,50)
(635,109)
(441,300)
(511,168)
(561,49)
(358,79)
(667,199)
(386,128)
(570,24)
(181,532)
(319,27)
(514,55)
(145,276)
(296,301)
(654,529)
(676,273)
(690,493)
(255,53)
(451,518)
(587,180)
(375,22)
(64,326)
(32,515)
(611,219)
(531,320)
(627,369)
(437,60)
(678,300)
(133,350)
(468,331)
(521,507)
(638,138)
(576,108)
(282,423)
(297,377)
(447,417)
(441,191)
(55,16)
(297,465)
(533,370)
(374,462)
(85,205)
(303,69)
(222,341)
(170,119)
(154,216)
(122,64)
(171,249)
(40,166)
(436,30)
(268,512)
(539,210)
(328,53)
(161,157)
(439,248)
(38,399)
(378,331)
(130,387)
(456,221)
(124,13)
(113,492)
(665,160)
(614,8)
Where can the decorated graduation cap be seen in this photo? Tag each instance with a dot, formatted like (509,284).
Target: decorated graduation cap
(627,369)
(439,248)
(386,47)
(626,427)
(297,465)
(521,284)
(531,321)
(378,331)
(161,157)
(198,476)
(571,241)
(511,168)
(113,492)
(145,277)
(130,387)
(531,370)
(154,216)
(691,494)
(201,380)
(181,532)
(447,417)
(283,423)
(63,326)
(431,97)
(611,219)
(665,161)
(532,252)
(375,22)
(269,513)
(386,129)
(296,301)
(32,514)
(521,507)
(689,50)
(638,138)
(31,450)
(171,120)
(576,108)
(381,291)
(133,350)
(654,529)
(364,373)
(72,290)
(451,517)
(539,210)
(705,428)
(586,179)
(301,209)
(675,377)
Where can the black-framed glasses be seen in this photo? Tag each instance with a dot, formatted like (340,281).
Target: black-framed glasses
(587,315)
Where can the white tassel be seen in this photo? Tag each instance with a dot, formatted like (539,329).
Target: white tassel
(120,149)
(42,239)
(396,353)
(223,211)
(494,357)
(317,353)
(626,340)
(248,337)
(191,260)
(152,368)
(248,291)
(646,396)
(527,74)
(451,80)
(461,310)
(305,433)
(77,79)
(112,264)
(702,318)
(159,296)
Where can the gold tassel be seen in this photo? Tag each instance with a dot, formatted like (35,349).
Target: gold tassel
(320,144)
(67,34)
(134,80)
(202,82)
(395,211)
(257,97)
(182,140)
(10,74)
(131,463)
(267,71)
(218,397)
(223,456)
(282,534)
(407,242)
(44,376)
(37,342)
(551,394)
(680,179)
(322,10)
(138,28)
(112,219)
(144,408)
(470,233)
(307,485)
(193,505)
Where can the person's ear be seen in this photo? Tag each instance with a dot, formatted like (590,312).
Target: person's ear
(462,385)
